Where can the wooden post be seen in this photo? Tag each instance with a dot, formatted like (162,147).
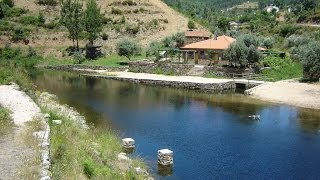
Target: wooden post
(216,58)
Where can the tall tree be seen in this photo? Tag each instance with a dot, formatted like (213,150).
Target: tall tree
(71,17)
(92,21)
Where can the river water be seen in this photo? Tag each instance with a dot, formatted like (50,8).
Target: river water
(210,134)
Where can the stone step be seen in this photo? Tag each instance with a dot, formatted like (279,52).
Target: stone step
(197,70)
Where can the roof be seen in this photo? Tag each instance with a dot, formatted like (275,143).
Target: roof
(221,43)
(197,34)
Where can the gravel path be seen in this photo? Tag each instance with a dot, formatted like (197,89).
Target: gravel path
(289,92)
(22,106)
(13,152)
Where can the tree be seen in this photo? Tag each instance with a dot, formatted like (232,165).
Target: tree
(179,38)
(71,18)
(191,24)
(92,21)
(310,57)
(237,53)
(127,48)
(153,49)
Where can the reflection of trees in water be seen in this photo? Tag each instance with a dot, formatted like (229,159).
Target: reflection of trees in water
(309,120)
(90,82)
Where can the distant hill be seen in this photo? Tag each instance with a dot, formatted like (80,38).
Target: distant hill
(142,20)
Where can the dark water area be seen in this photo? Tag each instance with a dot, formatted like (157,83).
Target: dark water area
(210,134)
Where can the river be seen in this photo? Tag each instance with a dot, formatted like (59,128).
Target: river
(210,134)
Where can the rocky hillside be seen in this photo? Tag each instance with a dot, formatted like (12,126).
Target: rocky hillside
(143,20)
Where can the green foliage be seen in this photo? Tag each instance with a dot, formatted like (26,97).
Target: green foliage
(310,56)
(129,3)
(179,38)
(116,11)
(31,52)
(78,57)
(92,20)
(71,18)
(244,50)
(282,69)
(223,23)
(132,29)
(14,12)
(29,20)
(9,53)
(127,48)
(105,36)
(5,118)
(48,2)
(287,30)
(9,3)
(19,34)
(153,49)
(88,168)
(191,24)
(268,42)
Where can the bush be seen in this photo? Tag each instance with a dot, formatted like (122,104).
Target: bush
(29,20)
(31,52)
(129,3)
(78,57)
(9,3)
(268,42)
(179,38)
(18,34)
(6,25)
(116,11)
(88,168)
(14,12)
(191,24)
(48,2)
(127,48)
(310,56)
(51,25)
(153,49)
(132,29)
(106,20)
(105,36)
(8,52)
(287,30)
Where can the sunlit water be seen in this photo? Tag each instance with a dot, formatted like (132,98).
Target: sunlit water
(210,134)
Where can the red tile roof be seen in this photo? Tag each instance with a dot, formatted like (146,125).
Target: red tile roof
(203,34)
(221,43)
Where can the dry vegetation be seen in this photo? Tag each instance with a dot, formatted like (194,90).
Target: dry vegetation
(144,21)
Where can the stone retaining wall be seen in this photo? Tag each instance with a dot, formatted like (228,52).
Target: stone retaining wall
(226,71)
(83,67)
(215,87)
(159,68)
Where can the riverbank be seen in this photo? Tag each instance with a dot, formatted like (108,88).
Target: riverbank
(289,92)
(16,152)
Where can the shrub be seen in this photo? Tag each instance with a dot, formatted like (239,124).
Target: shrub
(29,20)
(48,2)
(116,11)
(129,3)
(9,3)
(6,25)
(127,48)
(287,30)
(8,52)
(310,56)
(31,52)
(123,20)
(78,57)
(88,168)
(14,12)
(136,11)
(106,20)
(268,42)
(41,19)
(153,49)
(132,29)
(179,38)
(105,36)
(18,34)
(50,25)
(191,24)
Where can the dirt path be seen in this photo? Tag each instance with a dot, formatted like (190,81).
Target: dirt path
(13,152)
(289,92)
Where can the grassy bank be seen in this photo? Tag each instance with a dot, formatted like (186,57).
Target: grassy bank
(80,153)
(5,121)
(112,60)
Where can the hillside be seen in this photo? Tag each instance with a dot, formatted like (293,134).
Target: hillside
(144,21)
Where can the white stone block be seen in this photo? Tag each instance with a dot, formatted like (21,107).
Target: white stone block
(57,122)
(128,143)
(122,157)
(165,157)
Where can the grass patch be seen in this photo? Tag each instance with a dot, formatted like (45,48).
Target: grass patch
(5,121)
(85,153)
(282,69)
(113,60)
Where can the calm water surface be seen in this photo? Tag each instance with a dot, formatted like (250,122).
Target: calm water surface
(210,134)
